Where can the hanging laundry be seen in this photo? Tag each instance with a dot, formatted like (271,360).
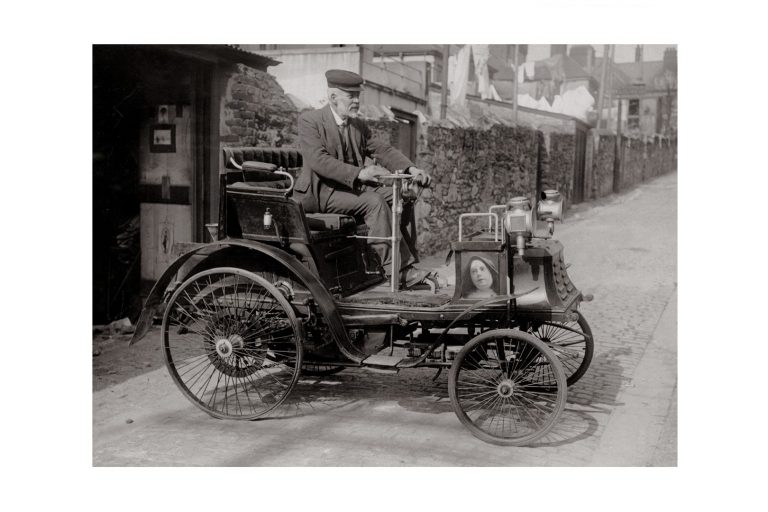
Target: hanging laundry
(494,94)
(530,70)
(558,105)
(459,77)
(480,55)
(543,104)
(577,102)
(526,100)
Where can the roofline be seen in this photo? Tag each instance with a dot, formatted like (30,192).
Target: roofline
(433,53)
(626,94)
(395,92)
(509,105)
(310,51)
(216,53)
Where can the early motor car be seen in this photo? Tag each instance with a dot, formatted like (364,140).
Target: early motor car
(279,293)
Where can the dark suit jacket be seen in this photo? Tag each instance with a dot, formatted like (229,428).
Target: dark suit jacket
(324,169)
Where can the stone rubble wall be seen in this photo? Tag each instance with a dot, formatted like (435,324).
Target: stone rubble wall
(662,158)
(640,161)
(471,170)
(633,163)
(255,111)
(603,161)
(558,174)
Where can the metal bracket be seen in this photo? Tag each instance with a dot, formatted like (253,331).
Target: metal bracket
(492,217)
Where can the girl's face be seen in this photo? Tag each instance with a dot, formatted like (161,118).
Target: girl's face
(480,275)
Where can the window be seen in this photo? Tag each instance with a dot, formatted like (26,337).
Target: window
(633,114)
(659,114)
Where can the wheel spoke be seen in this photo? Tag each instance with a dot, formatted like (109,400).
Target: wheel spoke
(571,342)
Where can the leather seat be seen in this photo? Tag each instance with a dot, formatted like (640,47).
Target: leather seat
(257,176)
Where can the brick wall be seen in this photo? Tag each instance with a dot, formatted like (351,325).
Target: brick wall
(256,112)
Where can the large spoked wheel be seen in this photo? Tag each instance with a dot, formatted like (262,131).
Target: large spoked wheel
(572,342)
(507,387)
(232,343)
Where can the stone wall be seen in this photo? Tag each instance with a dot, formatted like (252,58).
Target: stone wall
(471,169)
(602,164)
(385,130)
(640,161)
(633,162)
(558,174)
(662,158)
(255,111)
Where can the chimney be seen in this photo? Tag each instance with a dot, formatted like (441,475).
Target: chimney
(584,54)
(523,49)
(557,49)
(670,59)
(639,53)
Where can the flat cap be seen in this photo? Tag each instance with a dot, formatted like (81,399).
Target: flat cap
(344,80)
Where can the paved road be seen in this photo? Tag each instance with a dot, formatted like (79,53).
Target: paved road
(623,412)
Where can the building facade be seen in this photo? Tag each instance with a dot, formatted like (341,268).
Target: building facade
(161,115)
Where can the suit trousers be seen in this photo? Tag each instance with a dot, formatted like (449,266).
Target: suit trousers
(374,204)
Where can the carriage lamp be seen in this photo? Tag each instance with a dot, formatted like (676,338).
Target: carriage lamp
(550,208)
(267,219)
(518,221)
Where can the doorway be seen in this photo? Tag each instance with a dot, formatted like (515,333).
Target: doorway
(129,82)
(406,135)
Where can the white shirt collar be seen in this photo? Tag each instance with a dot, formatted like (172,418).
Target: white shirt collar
(337,117)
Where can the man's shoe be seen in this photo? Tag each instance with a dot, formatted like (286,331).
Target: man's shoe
(411,276)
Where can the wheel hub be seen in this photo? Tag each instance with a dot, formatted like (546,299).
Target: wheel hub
(225,346)
(505,388)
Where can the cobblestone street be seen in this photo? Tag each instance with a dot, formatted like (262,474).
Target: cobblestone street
(623,412)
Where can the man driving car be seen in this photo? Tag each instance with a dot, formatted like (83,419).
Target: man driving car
(339,176)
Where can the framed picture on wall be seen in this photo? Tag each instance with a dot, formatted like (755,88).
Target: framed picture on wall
(162,138)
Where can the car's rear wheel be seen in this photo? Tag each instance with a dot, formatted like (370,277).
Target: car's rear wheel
(232,343)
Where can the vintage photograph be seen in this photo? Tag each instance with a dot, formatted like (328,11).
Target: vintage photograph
(480,276)
(385,255)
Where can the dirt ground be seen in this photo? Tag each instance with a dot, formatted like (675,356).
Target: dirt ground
(114,361)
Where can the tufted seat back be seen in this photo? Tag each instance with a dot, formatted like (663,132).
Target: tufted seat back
(289,158)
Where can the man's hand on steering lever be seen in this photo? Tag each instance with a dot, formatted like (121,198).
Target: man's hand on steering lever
(420,176)
(371,174)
